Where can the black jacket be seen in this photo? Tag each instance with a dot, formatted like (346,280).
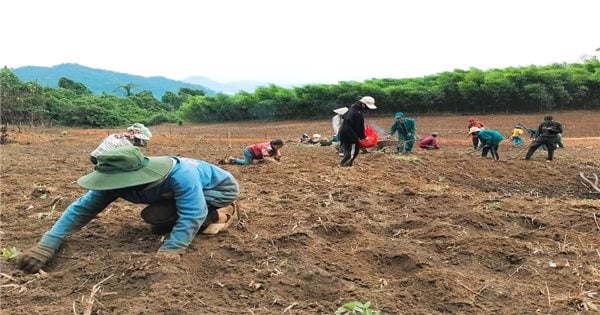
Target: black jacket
(549,129)
(353,127)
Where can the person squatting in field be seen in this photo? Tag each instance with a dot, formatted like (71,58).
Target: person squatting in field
(264,151)
(137,135)
(406,128)
(430,142)
(488,140)
(548,134)
(184,197)
(478,124)
(353,129)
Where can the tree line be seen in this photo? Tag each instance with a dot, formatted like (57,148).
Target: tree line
(509,90)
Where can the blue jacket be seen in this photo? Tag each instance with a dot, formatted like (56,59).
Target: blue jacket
(192,183)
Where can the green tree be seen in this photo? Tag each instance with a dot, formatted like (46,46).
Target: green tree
(76,87)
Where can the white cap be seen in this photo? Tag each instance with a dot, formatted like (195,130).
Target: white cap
(369,101)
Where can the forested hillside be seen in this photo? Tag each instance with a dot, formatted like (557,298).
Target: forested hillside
(104,81)
(523,89)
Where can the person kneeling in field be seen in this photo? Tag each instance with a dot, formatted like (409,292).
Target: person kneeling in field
(265,151)
(430,142)
(488,140)
(137,135)
(184,197)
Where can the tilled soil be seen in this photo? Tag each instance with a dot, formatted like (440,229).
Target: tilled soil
(433,232)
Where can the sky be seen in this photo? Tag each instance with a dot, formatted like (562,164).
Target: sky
(296,41)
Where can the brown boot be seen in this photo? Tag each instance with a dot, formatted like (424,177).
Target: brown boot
(228,216)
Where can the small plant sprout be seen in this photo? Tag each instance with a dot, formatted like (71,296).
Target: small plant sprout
(356,308)
(10,253)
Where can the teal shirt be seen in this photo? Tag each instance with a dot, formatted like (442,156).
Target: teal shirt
(490,137)
(403,129)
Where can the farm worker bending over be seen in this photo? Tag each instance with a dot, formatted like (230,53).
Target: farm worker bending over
(488,140)
(547,134)
(478,124)
(406,132)
(516,139)
(353,129)
(137,135)
(430,142)
(184,196)
(265,151)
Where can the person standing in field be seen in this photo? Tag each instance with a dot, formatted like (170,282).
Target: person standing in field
(265,151)
(137,135)
(478,124)
(547,134)
(488,140)
(353,129)
(430,142)
(406,129)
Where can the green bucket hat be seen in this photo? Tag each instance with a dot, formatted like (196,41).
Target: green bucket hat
(125,167)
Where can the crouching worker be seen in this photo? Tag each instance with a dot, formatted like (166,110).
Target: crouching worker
(184,197)
(430,142)
(265,151)
(137,135)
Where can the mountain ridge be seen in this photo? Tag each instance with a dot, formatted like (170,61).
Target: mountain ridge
(103,81)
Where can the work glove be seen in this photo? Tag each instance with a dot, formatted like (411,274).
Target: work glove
(34,258)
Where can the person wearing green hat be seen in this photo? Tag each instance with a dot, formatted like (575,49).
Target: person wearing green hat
(184,196)
(406,129)
(136,135)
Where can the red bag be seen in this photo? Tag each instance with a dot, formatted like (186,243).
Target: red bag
(371,140)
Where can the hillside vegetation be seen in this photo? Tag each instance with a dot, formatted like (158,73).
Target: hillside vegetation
(523,89)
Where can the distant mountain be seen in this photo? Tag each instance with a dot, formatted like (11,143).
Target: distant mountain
(227,88)
(99,81)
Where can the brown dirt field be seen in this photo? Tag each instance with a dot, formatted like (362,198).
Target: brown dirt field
(431,233)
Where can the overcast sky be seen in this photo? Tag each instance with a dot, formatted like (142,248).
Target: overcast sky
(296,41)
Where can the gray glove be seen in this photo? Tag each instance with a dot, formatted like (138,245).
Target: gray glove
(34,258)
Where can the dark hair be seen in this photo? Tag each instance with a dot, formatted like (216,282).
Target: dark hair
(276,142)
(548,117)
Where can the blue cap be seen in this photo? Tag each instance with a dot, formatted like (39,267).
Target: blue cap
(399,115)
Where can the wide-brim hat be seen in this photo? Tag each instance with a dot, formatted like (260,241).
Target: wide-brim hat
(474,130)
(368,101)
(341,110)
(125,167)
(398,115)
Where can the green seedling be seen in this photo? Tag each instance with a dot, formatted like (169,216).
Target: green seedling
(356,308)
(10,253)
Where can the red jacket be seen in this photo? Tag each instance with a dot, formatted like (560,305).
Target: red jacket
(477,124)
(257,150)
